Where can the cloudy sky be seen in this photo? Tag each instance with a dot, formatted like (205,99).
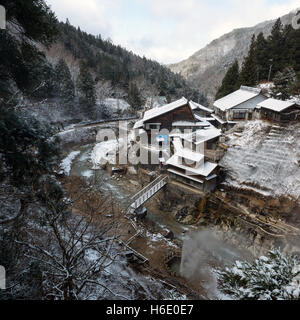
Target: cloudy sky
(167,30)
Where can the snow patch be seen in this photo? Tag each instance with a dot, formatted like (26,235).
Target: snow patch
(66,164)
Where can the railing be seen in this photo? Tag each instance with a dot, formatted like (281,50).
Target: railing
(145,194)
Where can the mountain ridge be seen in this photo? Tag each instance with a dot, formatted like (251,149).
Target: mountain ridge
(206,67)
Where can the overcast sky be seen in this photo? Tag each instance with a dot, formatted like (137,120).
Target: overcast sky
(167,30)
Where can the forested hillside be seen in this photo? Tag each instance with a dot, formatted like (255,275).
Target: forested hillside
(48,252)
(135,75)
(275,58)
(72,73)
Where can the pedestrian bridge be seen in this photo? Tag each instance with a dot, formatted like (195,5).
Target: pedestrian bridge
(148,192)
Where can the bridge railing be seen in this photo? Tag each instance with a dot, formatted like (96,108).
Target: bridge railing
(149,187)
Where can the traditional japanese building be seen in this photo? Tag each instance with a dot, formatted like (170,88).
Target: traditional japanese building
(192,161)
(278,110)
(183,126)
(239,105)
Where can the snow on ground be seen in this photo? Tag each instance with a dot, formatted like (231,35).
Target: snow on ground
(67,162)
(265,158)
(104,152)
(157,237)
(116,104)
(155,102)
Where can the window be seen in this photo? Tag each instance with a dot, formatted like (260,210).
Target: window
(239,114)
(153,126)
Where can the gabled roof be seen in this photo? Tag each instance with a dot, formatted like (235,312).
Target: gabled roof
(204,170)
(275,105)
(188,124)
(236,98)
(200,135)
(155,112)
(196,106)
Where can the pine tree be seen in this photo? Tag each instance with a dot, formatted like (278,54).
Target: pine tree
(65,85)
(249,72)
(230,82)
(262,57)
(134,97)
(284,83)
(275,46)
(86,87)
(268,278)
(295,88)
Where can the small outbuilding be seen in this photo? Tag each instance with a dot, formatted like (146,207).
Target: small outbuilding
(278,110)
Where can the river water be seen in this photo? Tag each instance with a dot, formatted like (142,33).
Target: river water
(202,253)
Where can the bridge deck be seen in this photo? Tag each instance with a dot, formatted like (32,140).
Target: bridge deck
(148,192)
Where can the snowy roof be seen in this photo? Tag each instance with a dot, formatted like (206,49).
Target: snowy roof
(199,136)
(205,121)
(204,170)
(185,176)
(189,154)
(195,106)
(155,112)
(188,124)
(275,105)
(218,119)
(186,153)
(236,98)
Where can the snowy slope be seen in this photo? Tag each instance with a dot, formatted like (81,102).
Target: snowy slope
(265,157)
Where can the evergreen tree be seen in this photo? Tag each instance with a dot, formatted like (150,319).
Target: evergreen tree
(27,146)
(295,88)
(275,46)
(134,97)
(268,278)
(65,85)
(293,45)
(262,57)
(86,86)
(22,65)
(249,72)
(284,83)
(230,82)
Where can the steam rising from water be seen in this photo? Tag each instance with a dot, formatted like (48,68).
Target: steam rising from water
(202,253)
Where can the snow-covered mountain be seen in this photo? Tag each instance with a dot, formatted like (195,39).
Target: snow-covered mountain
(207,67)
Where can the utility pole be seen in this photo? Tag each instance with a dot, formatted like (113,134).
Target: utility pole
(271,60)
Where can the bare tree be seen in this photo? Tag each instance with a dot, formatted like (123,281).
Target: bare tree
(74,251)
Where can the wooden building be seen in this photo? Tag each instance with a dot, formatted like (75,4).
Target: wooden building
(192,162)
(192,142)
(239,105)
(278,110)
